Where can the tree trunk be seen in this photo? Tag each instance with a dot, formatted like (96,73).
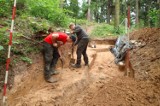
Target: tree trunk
(117,8)
(102,14)
(137,12)
(147,17)
(109,11)
(89,11)
(125,10)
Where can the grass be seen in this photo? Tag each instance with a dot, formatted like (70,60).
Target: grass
(104,30)
(28,26)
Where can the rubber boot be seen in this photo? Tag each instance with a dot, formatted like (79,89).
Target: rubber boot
(54,72)
(51,80)
(76,65)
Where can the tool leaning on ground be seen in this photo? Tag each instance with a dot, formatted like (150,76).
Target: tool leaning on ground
(59,43)
(62,62)
(72,60)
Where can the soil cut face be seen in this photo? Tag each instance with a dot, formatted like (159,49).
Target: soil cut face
(144,90)
(102,84)
(30,89)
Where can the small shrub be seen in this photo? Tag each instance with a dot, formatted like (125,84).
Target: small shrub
(153,17)
(5,8)
(49,10)
(28,26)
(26,59)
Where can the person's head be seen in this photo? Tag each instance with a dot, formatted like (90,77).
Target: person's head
(71,26)
(71,38)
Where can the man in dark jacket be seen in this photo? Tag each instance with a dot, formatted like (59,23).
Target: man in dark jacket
(82,41)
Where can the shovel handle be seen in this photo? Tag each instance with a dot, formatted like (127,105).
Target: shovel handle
(72,51)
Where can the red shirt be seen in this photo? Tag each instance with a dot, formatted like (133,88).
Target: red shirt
(62,37)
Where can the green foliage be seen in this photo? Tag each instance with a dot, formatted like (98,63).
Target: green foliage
(26,25)
(81,22)
(21,7)
(49,10)
(104,30)
(26,59)
(24,47)
(3,37)
(5,8)
(4,33)
(78,21)
(1,47)
(153,16)
(74,7)
(84,10)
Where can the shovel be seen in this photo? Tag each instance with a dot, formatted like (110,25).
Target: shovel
(72,60)
(62,62)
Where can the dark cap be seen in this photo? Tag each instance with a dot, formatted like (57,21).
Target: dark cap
(73,38)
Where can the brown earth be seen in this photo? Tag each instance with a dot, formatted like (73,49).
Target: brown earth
(103,84)
(144,90)
(31,89)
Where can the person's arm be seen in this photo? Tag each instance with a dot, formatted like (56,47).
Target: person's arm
(54,37)
(60,54)
(76,42)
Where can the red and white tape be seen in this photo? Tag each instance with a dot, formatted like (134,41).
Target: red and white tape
(9,52)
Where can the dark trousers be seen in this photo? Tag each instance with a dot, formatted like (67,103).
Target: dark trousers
(81,50)
(51,56)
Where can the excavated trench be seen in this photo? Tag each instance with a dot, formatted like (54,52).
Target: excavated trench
(30,89)
(101,84)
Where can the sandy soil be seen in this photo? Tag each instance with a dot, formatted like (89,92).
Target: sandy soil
(103,84)
(144,89)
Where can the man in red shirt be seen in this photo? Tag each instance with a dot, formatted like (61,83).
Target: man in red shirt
(51,54)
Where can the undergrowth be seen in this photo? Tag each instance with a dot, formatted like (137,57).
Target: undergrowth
(104,30)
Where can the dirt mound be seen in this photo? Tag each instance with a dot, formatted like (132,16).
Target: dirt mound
(145,60)
(144,90)
(126,92)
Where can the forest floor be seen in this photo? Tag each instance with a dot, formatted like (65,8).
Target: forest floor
(102,84)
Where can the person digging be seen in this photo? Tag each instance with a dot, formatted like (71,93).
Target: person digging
(82,42)
(51,53)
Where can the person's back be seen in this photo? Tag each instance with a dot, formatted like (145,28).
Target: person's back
(61,37)
(80,32)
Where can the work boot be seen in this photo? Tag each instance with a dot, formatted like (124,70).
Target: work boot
(76,66)
(51,80)
(86,65)
(54,72)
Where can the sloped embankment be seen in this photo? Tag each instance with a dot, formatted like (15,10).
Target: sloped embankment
(144,90)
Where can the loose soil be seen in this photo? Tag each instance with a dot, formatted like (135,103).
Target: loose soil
(102,84)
